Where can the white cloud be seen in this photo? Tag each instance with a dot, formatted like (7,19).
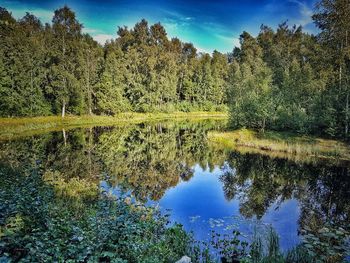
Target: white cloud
(90,30)
(177,16)
(305,13)
(98,35)
(203,50)
(170,25)
(102,38)
(236,42)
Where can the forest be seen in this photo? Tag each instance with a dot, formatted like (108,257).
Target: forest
(282,79)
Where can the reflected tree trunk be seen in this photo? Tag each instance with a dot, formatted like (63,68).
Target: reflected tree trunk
(64,137)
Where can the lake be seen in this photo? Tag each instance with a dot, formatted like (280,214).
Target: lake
(173,166)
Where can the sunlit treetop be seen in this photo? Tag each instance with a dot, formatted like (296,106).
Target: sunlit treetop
(209,25)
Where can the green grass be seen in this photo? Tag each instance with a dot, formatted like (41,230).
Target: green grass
(17,127)
(284,145)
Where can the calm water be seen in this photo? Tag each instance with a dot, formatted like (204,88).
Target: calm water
(172,165)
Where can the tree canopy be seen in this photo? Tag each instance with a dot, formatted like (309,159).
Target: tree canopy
(55,68)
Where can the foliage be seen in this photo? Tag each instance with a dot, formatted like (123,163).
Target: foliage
(251,86)
(38,225)
(291,81)
(327,243)
(54,69)
(229,246)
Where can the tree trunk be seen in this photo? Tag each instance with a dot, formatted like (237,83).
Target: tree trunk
(31,91)
(90,99)
(88,84)
(263,125)
(63,109)
(64,78)
(64,137)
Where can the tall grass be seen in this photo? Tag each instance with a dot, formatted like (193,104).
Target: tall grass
(283,145)
(267,250)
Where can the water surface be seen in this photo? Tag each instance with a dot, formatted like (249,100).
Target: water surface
(172,165)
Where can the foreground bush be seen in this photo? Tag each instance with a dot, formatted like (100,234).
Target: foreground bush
(39,225)
(44,218)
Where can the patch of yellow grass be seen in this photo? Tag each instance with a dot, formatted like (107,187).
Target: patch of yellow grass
(281,144)
(17,127)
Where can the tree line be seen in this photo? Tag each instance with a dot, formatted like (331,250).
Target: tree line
(56,68)
(283,79)
(290,80)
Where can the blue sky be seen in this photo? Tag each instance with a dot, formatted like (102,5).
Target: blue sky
(208,24)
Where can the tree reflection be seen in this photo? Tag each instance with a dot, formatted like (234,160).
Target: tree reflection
(322,190)
(259,181)
(147,159)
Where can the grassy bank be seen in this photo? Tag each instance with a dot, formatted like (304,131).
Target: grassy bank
(15,127)
(284,145)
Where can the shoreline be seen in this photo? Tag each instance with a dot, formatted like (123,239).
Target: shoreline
(16,127)
(281,145)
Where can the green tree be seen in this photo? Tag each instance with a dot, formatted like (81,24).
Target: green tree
(251,100)
(332,18)
(66,32)
(21,46)
(90,64)
(219,65)
(110,93)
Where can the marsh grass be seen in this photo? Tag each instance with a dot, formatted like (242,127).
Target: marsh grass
(284,145)
(265,248)
(17,127)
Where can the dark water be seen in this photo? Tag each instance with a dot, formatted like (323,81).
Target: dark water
(203,187)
